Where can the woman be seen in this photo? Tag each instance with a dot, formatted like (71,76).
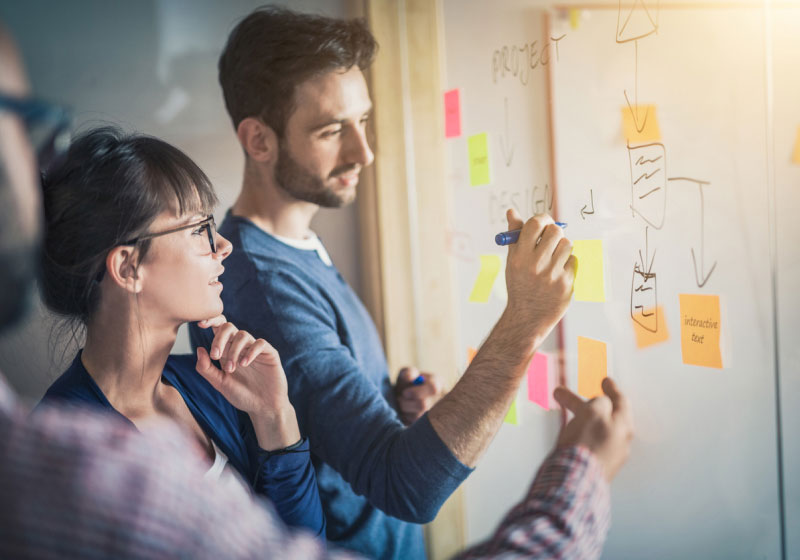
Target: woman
(130,254)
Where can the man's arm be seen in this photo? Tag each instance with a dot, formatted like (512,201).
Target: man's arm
(566,513)
(540,272)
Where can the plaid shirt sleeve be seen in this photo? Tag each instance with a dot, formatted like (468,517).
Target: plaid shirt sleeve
(566,514)
(75,484)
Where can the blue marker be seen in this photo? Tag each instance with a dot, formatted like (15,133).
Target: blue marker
(418,381)
(509,237)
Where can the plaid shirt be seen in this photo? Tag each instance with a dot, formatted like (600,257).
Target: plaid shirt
(77,485)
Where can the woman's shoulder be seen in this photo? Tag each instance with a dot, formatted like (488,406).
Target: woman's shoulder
(180,370)
(75,385)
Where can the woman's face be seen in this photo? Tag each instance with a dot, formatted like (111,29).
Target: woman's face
(180,273)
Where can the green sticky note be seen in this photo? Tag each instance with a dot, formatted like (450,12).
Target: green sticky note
(589,282)
(490,266)
(478,145)
(512,417)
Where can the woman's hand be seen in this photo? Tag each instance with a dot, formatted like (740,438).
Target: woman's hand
(251,379)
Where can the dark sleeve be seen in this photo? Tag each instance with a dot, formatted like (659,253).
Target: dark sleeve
(566,514)
(287,478)
(406,472)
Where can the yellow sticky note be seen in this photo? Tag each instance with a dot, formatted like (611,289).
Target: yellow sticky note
(574,18)
(478,146)
(592,367)
(512,417)
(471,353)
(490,266)
(700,328)
(589,282)
(646,337)
(640,124)
(796,155)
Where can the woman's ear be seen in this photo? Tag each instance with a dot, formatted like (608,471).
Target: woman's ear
(258,140)
(122,268)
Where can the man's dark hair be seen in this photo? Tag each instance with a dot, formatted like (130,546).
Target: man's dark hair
(273,50)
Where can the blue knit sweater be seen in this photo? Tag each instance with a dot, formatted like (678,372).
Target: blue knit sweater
(378,479)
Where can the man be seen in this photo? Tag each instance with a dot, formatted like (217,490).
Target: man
(78,485)
(295,91)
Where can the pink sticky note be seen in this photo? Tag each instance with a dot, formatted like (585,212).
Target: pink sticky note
(538,381)
(452,114)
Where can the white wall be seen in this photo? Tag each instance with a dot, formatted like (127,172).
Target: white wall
(150,66)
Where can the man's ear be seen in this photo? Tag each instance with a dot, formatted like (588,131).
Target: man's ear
(122,268)
(258,140)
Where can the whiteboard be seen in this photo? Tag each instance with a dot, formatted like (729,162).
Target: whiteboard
(702,480)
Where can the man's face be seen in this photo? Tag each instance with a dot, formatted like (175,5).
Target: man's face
(324,146)
(20,203)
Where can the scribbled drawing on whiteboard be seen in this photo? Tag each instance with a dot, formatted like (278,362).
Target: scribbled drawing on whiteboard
(584,211)
(508,151)
(648,183)
(636,20)
(644,290)
(703,276)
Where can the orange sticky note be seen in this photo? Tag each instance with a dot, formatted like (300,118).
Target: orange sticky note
(592,367)
(512,416)
(646,337)
(796,155)
(700,329)
(471,353)
(640,124)
(538,390)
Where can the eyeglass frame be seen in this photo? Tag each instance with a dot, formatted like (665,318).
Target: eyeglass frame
(33,111)
(208,224)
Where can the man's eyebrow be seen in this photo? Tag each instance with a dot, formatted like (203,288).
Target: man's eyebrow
(334,121)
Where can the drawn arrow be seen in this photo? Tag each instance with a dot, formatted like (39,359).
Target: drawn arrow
(703,277)
(584,210)
(635,113)
(508,157)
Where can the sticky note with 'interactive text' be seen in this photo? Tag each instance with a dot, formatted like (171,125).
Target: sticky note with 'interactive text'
(700,330)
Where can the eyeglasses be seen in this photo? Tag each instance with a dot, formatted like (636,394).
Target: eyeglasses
(209,225)
(48,125)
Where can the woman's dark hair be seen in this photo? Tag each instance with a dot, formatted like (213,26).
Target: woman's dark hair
(107,189)
(271,51)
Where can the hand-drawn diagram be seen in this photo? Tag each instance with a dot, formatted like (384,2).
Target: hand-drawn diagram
(644,292)
(584,211)
(508,153)
(648,168)
(648,182)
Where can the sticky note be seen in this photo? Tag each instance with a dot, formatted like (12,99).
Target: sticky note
(589,281)
(512,417)
(640,124)
(646,337)
(700,329)
(592,367)
(500,289)
(471,353)
(452,114)
(574,18)
(490,266)
(796,155)
(478,147)
(538,381)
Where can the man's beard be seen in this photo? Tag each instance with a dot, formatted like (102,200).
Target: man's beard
(302,185)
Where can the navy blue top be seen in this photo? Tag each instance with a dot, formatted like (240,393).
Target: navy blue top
(287,479)
(377,478)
